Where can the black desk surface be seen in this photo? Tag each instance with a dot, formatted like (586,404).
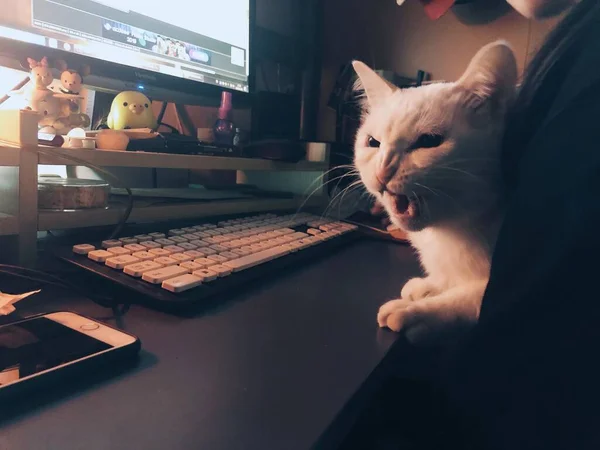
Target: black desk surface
(277,367)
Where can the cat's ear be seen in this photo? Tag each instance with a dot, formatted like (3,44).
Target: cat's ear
(491,77)
(375,87)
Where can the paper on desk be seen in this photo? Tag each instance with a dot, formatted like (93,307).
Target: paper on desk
(8,300)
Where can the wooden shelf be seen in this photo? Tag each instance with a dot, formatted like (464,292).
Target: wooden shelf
(56,220)
(9,225)
(170,161)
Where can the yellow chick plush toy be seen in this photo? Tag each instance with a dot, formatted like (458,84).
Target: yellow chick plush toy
(131,109)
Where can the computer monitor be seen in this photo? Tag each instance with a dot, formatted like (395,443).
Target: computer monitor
(156,45)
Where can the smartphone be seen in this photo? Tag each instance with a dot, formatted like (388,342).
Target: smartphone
(46,349)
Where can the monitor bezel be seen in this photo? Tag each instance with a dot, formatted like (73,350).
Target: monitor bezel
(111,77)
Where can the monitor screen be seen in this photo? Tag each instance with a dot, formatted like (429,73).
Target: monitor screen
(204,40)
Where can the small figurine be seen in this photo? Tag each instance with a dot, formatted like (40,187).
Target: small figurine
(41,73)
(71,80)
(40,77)
(131,109)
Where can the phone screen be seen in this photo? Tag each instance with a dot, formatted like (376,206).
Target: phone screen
(39,344)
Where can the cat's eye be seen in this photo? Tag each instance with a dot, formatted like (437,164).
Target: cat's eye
(373,143)
(428,141)
(125,104)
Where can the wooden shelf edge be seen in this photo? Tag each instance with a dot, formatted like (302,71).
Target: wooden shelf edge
(171,161)
(57,220)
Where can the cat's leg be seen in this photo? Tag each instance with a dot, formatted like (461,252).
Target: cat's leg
(439,315)
(414,289)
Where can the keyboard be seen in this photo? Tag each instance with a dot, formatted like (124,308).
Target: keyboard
(179,267)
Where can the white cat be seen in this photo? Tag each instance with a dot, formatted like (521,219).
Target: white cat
(430,156)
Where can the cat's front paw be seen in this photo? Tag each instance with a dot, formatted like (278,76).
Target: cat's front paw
(388,308)
(429,320)
(418,288)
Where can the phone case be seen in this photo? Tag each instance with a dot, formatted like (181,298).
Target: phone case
(77,370)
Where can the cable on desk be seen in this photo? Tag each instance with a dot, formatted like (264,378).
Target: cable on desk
(125,217)
(119,309)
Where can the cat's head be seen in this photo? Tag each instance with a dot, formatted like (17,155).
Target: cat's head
(430,154)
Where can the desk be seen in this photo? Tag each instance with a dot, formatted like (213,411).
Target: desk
(277,368)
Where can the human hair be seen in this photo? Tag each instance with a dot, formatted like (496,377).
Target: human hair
(542,79)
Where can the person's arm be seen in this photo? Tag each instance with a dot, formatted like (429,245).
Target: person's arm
(528,375)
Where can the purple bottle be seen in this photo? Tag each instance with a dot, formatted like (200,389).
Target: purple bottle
(224,130)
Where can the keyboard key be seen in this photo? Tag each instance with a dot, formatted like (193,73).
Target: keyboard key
(143,256)
(182,283)
(83,249)
(203,234)
(135,247)
(128,240)
(180,257)
(166,261)
(99,255)
(111,243)
(189,229)
(176,232)
(291,247)
(157,235)
(192,266)
(178,239)
(174,249)
(218,258)
(205,262)
(143,237)
(305,242)
(187,246)
(211,240)
(138,269)
(164,242)
(200,243)
(219,248)
(119,262)
(255,259)
(208,251)
(150,244)
(220,270)
(158,252)
(194,254)
(313,231)
(229,255)
(159,275)
(118,251)
(239,252)
(205,275)
(191,236)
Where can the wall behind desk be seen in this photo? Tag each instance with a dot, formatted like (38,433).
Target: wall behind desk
(402,38)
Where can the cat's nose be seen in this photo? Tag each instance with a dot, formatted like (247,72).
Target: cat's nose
(386,170)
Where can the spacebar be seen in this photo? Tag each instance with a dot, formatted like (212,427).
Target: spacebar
(255,259)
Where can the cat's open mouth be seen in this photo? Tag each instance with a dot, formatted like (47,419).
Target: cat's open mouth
(403,206)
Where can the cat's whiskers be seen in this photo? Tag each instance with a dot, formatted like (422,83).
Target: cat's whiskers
(321,186)
(353,186)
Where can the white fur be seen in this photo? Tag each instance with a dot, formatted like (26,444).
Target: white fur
(455,186)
